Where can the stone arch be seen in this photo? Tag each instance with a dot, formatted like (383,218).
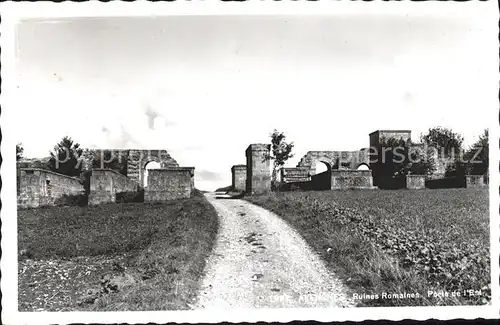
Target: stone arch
(312,157)
(336,159)
(152,164)
(363,166)
(321,179)
(138,159)
(321,166)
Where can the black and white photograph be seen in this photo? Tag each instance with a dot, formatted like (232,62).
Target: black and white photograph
(218,163)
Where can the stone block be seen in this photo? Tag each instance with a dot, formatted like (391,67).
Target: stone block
(169,184)
(40,187)
(475,181)
(258,169)
(351,179)
(415,181)
(106,183)
(239,178)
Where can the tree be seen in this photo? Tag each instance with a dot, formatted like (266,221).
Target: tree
(65,158)
(19,151)
(110,160)
(401,158)
(477,157)
(281,151)
(398,158)
(445,140)
(449,149)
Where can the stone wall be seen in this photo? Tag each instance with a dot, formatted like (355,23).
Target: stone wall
(138,159)
(106,183)
(415,181)
(295,174)
(351,179)
(379,136)
(239,178)
(335,159)
(169,184)
(258,169)
(40,187)
(475,181)
(376,139)
(130,162)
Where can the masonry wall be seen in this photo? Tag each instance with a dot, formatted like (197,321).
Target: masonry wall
(239,177)
(475,181)
(415,182)
(376,140)
(39,187)
(380,135)
(258,169)
(295,174)
(137,160)
(169,184)
(106,183)
(335,159)
(351,179)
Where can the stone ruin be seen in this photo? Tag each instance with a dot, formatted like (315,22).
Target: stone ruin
(40,187)
(239,178)
(258,178)
(169,184)
(345,169)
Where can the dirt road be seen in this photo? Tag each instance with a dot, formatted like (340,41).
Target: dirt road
(259,261)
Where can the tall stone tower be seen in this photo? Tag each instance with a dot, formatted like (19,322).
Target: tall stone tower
(258,169)
(239,178)
(377,140)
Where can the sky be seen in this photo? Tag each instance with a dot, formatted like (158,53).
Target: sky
(205,87)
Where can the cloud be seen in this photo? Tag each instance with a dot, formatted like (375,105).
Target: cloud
(152,115)
(321,96)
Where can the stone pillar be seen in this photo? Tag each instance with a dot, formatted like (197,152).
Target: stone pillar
(415,182)
(475,181)
(258,169)
(170,183)
(101,187)
(239,178)
(30,187)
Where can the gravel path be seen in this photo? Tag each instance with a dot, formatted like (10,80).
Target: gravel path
(259,261)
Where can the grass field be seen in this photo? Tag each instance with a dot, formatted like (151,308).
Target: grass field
(397,242)
(131,256)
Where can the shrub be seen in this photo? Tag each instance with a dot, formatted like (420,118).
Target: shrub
(72,200)
(393,183)
(447,182)
(130,197)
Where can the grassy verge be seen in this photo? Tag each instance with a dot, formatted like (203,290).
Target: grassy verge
(131,256)
(397,242)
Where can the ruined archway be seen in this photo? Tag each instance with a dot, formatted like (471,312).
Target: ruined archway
(320,167)
(336,159)
(363,167)
(137,160)
(149,165)
(321,175)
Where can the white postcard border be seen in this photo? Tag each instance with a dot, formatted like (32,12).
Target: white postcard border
(13,12)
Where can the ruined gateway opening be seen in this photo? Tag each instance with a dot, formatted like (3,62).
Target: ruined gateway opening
(363,167)
(149,165)
(321,175)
